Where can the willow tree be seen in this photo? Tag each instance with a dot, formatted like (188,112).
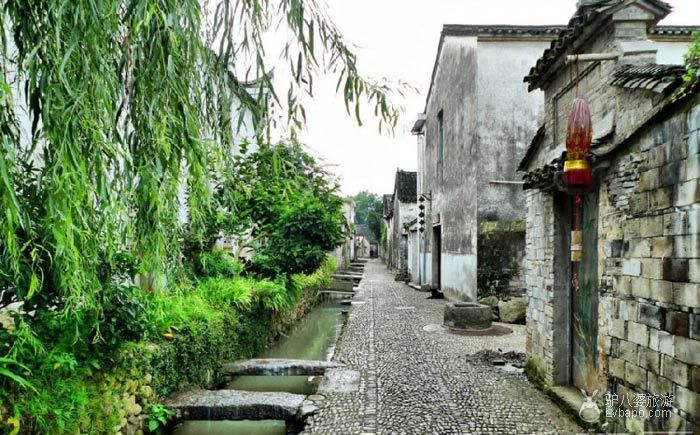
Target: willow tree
(125,102)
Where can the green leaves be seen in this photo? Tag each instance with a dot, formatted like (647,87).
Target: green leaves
(136,110)
(158,417)
(5,370)
(281,197)
(692,65)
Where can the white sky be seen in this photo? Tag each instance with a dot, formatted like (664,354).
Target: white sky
(398,39)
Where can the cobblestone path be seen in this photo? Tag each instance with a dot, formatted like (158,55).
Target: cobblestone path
(419,382)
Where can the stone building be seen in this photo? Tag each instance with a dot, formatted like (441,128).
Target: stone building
(397,214)
(478,120)
(346,253)
(385,245)
(631,327)
(412,230)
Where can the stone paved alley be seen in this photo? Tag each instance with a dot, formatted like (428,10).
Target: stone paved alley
(419,382)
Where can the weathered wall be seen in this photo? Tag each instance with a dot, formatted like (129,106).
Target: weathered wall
(648,249)
(507,119)
(413,267)
(501,257)
(404,212)
(345,253)
(451,182)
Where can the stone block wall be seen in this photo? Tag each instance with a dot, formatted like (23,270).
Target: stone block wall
(649,274)
(649,250)
(539,278)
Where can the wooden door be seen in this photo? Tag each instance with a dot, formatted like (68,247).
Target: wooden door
(585,300)
(437,260)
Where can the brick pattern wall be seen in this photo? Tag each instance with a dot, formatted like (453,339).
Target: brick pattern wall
(539,279)
(649,270)
(649,242)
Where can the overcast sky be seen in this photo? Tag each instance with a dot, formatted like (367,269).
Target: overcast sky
(398,39)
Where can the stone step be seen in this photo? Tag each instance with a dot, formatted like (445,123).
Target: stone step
(235,405)
(340,293)
(347,276)
(279,367)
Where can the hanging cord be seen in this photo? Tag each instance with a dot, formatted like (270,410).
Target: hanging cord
(578,74)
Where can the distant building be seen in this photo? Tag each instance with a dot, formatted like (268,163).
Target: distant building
(345,253)
(621,315)
(398,213)
(366,243)
(385,242)
(478,121)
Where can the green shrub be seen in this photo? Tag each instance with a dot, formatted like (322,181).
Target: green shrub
(187,333)
(216,264)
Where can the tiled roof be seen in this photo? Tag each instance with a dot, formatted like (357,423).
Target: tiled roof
(660,31)
(405,186)
(500,30)
(504,31)
(419,124)
(651,77)
(542,177)
(584,21)
(534,144)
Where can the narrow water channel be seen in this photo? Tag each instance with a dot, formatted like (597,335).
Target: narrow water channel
(312,338)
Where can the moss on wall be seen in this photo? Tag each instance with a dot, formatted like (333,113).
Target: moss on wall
(501,249)
(536,373)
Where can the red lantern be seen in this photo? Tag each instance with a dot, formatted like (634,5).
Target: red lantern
(577,172)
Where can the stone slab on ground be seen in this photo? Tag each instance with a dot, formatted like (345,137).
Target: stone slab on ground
(235,405)
(279,367)
(415,381)
(339,381)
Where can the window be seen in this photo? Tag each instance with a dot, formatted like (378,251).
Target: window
(441,138)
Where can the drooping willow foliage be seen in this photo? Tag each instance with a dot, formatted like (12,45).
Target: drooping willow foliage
(111,109)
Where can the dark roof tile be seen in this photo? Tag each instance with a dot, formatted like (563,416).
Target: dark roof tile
(652,77)
(585,20)
(405,186)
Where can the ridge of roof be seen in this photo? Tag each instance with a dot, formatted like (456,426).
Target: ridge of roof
(585,20)
(500,29)
(534,144)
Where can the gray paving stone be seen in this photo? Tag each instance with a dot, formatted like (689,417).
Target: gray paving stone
(416,381)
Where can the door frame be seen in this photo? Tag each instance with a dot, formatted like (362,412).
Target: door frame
(436,249)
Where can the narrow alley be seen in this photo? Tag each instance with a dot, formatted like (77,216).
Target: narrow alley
(418,379)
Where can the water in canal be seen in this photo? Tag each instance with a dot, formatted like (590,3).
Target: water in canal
(312,338)
(241,427)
